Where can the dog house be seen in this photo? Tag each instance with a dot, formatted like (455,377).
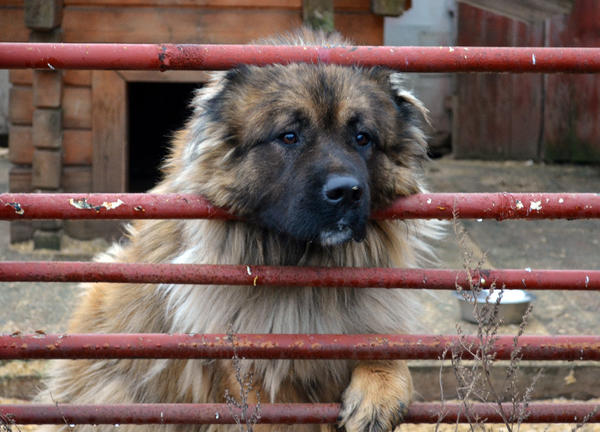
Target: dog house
(106,131)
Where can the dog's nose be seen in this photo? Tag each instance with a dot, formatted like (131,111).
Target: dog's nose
(343,190)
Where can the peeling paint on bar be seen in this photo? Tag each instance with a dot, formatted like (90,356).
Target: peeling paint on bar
(82,204)
(499,206)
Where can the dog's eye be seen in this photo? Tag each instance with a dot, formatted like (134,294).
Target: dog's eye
(363,139)
(289,138)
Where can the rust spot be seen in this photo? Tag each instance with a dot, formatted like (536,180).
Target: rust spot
(139,208)
(50,347)
(163,59)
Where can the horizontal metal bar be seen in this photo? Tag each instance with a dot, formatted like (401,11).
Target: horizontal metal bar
(220,57)
(356,277)
(500,206)
(283,413)
(290,346)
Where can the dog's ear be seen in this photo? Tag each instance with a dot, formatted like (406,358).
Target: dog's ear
(410,108)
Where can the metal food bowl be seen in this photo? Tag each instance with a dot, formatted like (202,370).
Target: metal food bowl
(512,306)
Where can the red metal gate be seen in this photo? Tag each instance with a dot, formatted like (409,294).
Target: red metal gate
(442,206)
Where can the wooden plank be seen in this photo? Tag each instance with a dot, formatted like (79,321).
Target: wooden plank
(77,147)
(530,11)
(51,36)
(47,168)
(318,14)
(20,105)
(77,107)
(571,126)
(47,128)
(183,25)
(20,144)
(43,15)
(168,76)
(19,181)
(12,23)
(352,5)
(79,179)
(190,3)
(109,132)
(390,7)
(109,142)
(508,106)
(77,77)
(360,28)
(363,5)
(47,89)
(21,76)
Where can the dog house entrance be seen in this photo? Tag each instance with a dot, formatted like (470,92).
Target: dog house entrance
(155,111)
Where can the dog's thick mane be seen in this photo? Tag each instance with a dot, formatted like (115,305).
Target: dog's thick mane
(197,165)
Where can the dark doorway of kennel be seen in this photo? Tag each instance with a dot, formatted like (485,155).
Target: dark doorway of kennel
(156,110)
(112,110)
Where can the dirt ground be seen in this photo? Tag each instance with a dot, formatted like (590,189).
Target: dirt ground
(509,244)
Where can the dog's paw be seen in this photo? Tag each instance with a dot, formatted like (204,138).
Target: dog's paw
(377,398)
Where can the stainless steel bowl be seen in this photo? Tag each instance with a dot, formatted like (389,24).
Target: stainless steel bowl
(512,306)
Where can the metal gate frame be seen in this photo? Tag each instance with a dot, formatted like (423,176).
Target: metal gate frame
(143,206)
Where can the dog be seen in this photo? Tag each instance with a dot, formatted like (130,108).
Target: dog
(302,154)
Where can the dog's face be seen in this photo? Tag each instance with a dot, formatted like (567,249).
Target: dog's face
(309,151)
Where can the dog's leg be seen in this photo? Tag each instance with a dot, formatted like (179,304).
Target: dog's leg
(377,398)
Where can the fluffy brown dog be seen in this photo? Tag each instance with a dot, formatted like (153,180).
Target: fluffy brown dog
(303,153)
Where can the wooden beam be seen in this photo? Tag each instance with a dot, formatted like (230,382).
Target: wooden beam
(318,14)
(390,7)
(43,15)
(109,132)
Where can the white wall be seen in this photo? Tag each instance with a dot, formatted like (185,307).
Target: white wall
(428,23)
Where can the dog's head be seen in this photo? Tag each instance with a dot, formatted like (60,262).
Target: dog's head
(305,150)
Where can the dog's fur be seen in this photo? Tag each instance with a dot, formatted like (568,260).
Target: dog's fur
(237,150)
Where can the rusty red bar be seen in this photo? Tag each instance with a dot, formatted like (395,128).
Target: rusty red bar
(282,413)
(329,277)
(290,346)
(107,206)
(500,206)
(220,57)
